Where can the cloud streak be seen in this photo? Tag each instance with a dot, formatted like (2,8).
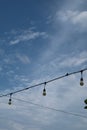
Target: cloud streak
(27,35)
(23,58)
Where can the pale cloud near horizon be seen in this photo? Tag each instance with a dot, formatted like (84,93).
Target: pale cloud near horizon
(72,61)
(76,17)
(56,98)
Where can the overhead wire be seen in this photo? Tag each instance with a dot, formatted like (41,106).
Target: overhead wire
(51,108)
(36,85)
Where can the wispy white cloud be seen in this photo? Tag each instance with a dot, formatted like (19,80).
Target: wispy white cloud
(23,58)
(74,60)
(26,35)
(61,62)
(78,18)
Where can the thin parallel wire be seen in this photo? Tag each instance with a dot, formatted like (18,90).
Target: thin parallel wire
(36,85)
(53,109)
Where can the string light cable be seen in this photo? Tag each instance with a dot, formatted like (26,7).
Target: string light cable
(44,83)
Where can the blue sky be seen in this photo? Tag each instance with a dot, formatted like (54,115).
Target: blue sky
(41,40)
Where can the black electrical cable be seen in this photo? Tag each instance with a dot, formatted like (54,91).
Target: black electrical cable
(51,80)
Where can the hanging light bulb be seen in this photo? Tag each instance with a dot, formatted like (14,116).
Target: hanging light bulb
(85,101)
(85,107)
(44,90)
(81,80)
(10,100)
